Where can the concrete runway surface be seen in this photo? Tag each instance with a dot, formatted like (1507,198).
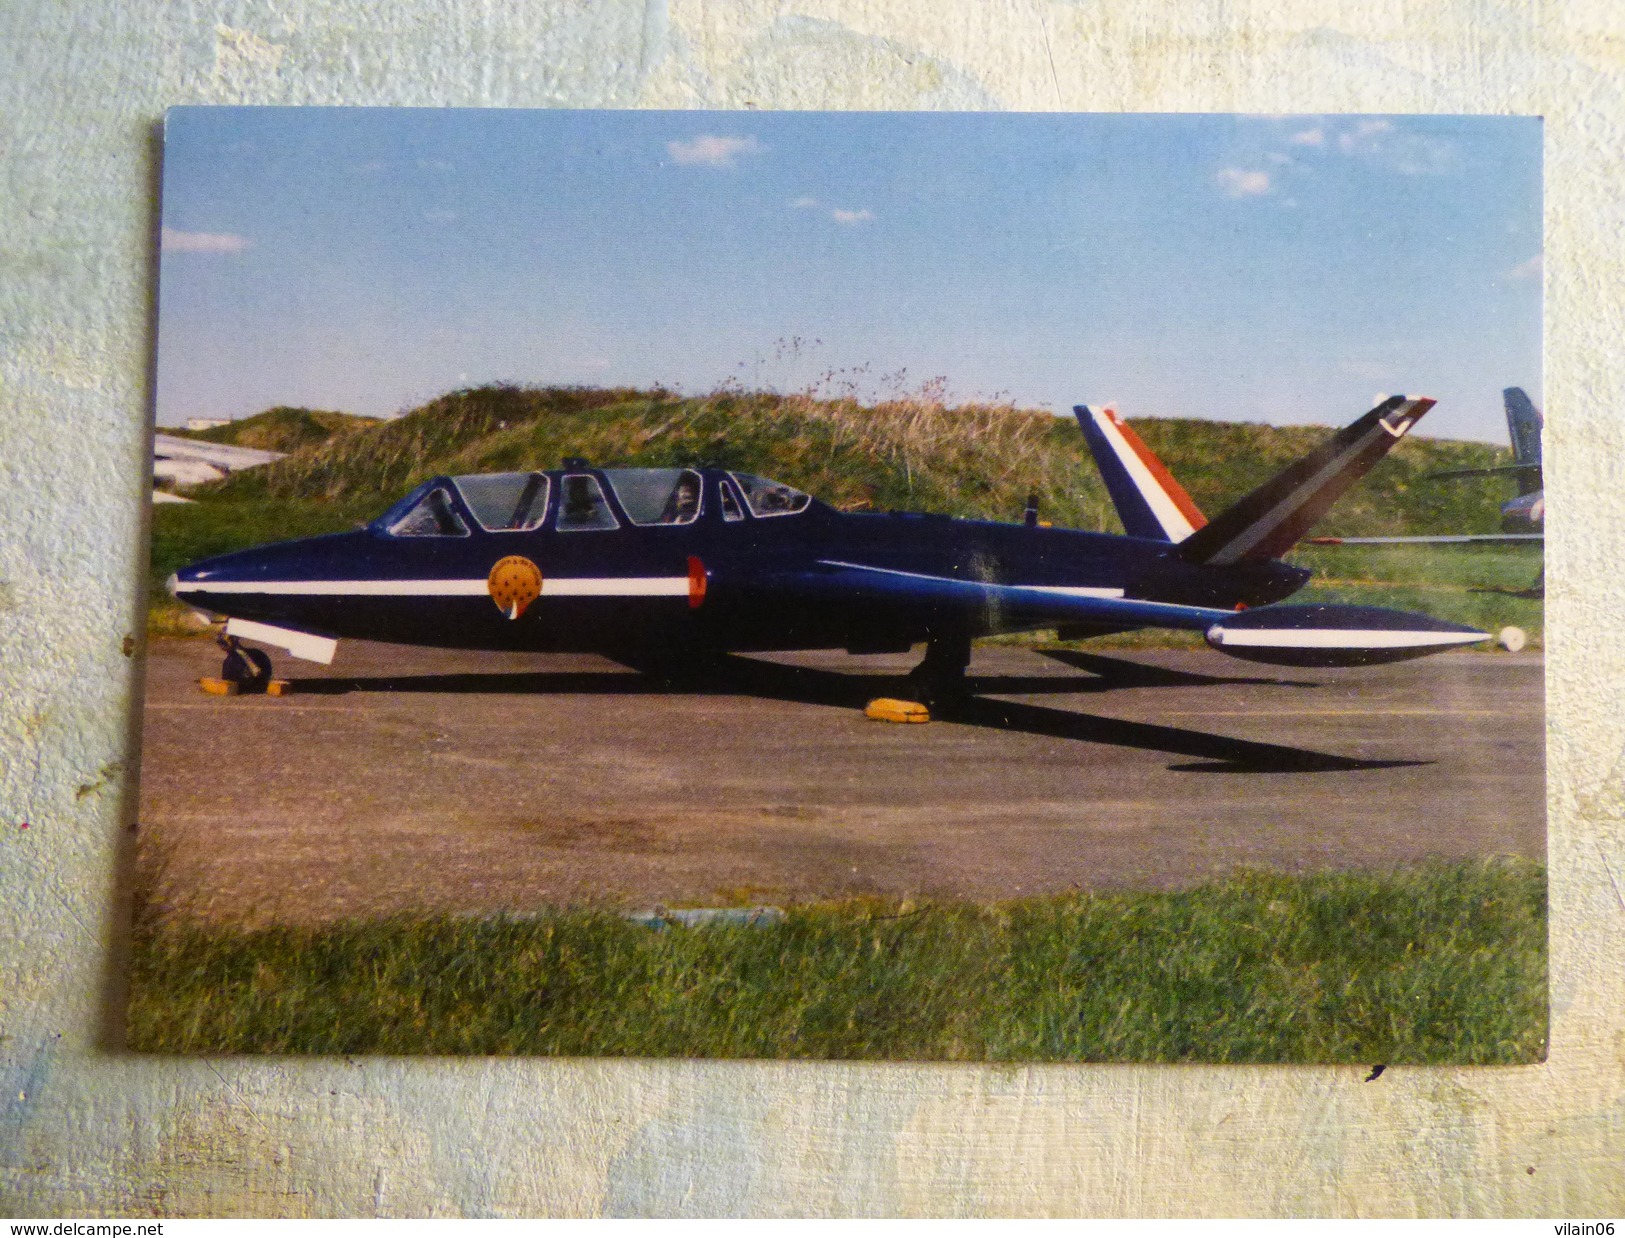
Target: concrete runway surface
(410,780)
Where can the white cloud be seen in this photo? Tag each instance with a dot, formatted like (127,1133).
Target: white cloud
(1240,183)
(1534,268)
(1409,154)
(839,214)
(174,241)
(711,150)
(1365,138)
(1309,137)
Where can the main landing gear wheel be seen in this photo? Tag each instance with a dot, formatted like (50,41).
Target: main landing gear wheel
(936,683)
(249,669)
(939,679)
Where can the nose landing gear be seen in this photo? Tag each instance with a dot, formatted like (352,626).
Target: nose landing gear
(243,670)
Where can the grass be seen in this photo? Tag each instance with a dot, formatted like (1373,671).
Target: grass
(1440,963)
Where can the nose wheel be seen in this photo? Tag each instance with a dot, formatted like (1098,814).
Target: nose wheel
(249,669)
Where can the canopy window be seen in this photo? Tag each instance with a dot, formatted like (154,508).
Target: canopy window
(731,508)
(771,498)
(582,506)
(657,496)
(431,516)
(505,502)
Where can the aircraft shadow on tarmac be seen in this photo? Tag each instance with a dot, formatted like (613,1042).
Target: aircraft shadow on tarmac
(730,675)
(1110,673)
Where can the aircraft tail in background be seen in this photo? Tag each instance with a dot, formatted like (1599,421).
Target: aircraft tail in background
(1523,426)
(1150,503)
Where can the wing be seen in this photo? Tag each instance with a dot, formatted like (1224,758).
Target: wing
(1489,471)
(1447,539)
(1329,635)
(999,607)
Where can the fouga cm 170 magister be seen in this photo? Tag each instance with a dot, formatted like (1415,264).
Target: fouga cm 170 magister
(673,565)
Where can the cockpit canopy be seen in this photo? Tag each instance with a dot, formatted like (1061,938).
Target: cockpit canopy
(519,502)
(505,502)
(771,498)
(657,496)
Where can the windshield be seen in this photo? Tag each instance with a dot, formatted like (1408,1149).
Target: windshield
(431,516)
(771,498)
(505,502)
(657,496)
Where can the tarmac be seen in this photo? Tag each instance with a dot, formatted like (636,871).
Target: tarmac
(404,780)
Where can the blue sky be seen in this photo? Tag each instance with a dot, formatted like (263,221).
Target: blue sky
(1282,269)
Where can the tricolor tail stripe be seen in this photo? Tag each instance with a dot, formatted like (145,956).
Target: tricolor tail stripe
(1270,520)
(1149,501)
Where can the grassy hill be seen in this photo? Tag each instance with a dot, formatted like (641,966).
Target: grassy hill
(972,460)
(280,429)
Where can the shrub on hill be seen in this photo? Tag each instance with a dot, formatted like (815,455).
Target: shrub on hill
(281,429)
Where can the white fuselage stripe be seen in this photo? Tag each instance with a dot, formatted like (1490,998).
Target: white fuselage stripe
(1162,505)
(1079,591)
(1341,638)
(1301,494)
(579,586)
(1072,591)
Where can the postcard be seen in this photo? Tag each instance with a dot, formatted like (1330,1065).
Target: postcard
(971,587)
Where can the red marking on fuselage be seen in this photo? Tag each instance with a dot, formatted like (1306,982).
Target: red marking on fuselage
(696,582)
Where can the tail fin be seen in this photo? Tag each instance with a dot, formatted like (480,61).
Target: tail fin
(1148,500)
(1270,520)
(1523,425)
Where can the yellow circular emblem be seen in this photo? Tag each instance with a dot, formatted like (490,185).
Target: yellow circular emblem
(514,583)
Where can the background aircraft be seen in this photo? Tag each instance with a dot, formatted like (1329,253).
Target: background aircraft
(674,564)
(1523,518)
(187,461)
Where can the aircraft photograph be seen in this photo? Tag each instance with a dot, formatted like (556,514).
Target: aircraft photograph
(669,584)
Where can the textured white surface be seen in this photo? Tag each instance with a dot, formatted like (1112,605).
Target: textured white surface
(85,1130)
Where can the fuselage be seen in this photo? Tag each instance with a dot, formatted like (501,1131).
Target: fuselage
(620,565)
(1525,514)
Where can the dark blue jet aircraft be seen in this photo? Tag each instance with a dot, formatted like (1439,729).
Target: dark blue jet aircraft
(680,563)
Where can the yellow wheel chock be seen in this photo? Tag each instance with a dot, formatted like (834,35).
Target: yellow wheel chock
(889,709)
